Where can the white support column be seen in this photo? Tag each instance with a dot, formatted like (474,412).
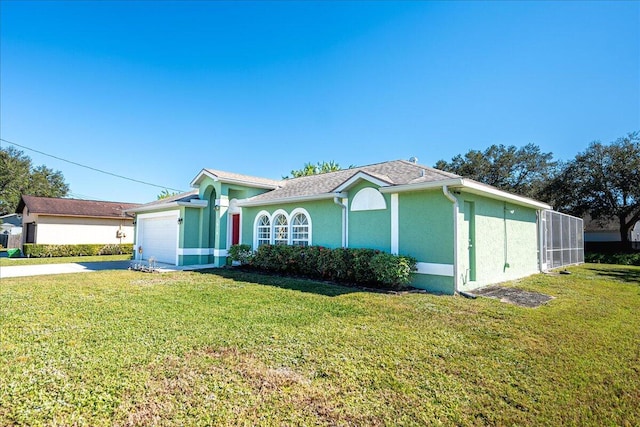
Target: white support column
(394,224)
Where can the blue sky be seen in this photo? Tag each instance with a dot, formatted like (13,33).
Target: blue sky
(156,91)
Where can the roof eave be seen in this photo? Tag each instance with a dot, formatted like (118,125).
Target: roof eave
(197,203)
(494,193)
(82,216)
(470,187)
(309,198)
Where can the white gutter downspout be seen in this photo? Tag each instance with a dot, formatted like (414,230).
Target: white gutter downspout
(454,200)
(345,218)
(541,220)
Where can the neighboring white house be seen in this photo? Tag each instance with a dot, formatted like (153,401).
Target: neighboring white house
(47,220)
(608,232)
(11,224)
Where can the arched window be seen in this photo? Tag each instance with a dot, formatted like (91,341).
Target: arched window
(368,199)
(300,230)
(263,230)
(280,230)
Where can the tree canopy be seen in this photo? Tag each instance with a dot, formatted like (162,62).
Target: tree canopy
(525,171)
(318,168)
(165,194)
(18,176)
(603,181)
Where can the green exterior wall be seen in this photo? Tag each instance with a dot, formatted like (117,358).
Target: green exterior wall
(425,232)
(433,283)
(426,226)
(505,243)
(369,229)
(189,231)
(325,216)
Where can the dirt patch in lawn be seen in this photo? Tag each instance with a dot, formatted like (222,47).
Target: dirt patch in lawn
(514,296)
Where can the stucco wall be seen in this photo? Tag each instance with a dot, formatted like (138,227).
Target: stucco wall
(505,242)
(325,216)
(426,226)
(370,228)
(71,230)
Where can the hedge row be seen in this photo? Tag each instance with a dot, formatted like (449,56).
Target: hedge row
(40,251)
(344,265)
(622,259)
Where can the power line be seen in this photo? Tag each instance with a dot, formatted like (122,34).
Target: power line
(91,168)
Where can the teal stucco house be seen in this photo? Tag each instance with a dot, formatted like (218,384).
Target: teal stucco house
(464,234)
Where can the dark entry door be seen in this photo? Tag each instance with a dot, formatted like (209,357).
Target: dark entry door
(235,229)
(31,233)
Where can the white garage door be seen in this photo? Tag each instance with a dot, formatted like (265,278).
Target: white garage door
(159,238)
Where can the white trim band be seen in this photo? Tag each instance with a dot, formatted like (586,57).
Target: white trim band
(435,269)
(202,251)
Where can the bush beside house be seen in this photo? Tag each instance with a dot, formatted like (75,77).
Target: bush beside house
(343,265)
(615,258)
(41,251)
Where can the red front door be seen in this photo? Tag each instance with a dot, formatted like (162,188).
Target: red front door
(235,229)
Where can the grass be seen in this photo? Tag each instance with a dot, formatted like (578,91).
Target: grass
(230,348)
(7,262)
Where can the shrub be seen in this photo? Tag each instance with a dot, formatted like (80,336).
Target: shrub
(345,265)
(393,270)
(620,258)
(39,251)
(241,253)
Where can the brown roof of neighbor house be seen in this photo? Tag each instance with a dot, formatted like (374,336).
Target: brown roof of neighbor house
(396,172)
(73,207)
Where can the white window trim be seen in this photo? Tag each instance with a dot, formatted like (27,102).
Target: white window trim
(255,227)
(289,218)
(295,212)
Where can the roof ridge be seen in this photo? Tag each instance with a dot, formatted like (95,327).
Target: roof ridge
(241,174)
(78,200)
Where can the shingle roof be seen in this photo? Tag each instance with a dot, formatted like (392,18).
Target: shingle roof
(396,172)
(73,207)
(236,177)
(182,197)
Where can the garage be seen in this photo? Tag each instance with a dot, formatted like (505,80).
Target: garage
(158,237)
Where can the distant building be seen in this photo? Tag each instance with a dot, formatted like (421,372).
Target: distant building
(48,220)
(605,234)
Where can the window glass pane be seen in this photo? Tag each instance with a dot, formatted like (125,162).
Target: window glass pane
(280,230)
(264,230)
(300,230)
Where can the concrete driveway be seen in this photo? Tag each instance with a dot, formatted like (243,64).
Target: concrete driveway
(76,267)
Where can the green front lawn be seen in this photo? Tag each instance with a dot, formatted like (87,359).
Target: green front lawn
(7,262)
(230,348)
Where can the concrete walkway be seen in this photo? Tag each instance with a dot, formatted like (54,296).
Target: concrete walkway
(86,267)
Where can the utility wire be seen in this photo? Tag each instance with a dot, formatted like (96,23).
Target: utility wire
(91,168)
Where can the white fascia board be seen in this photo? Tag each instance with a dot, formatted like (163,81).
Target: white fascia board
(494,193)
(471,187)
(454,182)
(195,203)
(163,207)
(323,196)
(361,176)
(195,183)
